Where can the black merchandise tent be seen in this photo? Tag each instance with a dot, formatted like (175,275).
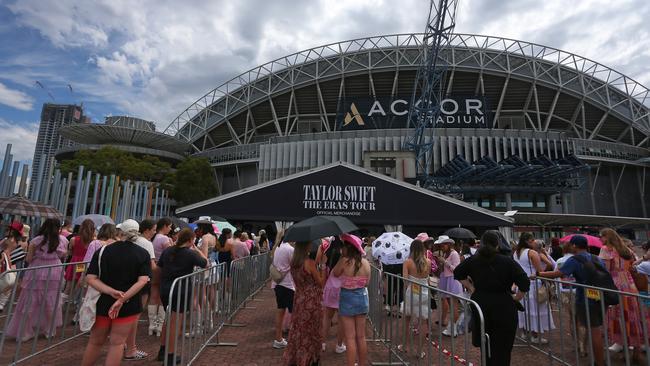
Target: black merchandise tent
(363,196)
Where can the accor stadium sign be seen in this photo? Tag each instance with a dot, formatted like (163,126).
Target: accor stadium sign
(386,112)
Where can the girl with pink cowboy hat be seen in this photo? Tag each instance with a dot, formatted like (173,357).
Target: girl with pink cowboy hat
(354,271)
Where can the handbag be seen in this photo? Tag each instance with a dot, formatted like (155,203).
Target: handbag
(7,278)
(275,273)
(640,280)
(88,309)
(541,291)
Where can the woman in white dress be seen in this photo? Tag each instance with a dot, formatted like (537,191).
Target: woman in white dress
(537,318)
(416,298)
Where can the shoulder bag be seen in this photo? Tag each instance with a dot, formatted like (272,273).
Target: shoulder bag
(541,291)
(88,309)
(7,278)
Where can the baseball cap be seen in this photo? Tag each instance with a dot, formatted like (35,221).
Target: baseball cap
(579,241)
(129,225)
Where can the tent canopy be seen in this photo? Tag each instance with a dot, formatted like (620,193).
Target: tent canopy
(363,196)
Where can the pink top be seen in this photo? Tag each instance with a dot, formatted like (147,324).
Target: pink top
(352,283)
(94,246)
(249,244)
(434,264)
(160,242)
(451,262)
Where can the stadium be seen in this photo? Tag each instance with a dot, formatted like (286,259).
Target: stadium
(129,134)
(523,127)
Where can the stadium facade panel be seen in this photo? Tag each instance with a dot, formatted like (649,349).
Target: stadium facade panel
(347,101)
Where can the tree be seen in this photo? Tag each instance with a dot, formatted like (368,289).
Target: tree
(193,181)
(110,160)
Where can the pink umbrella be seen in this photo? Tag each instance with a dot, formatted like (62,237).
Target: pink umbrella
(593,241)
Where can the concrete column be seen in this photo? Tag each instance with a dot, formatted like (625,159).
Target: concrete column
(565,203)
(508,201)
(612,181)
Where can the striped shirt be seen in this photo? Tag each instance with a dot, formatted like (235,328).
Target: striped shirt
(17,255)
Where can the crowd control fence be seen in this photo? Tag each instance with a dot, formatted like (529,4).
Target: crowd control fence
(201,304)
(402,319)
(39,310)
(568,328)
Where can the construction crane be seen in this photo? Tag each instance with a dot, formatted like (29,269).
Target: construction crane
(428,89)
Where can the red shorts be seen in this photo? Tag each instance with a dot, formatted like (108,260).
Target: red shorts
(105,322)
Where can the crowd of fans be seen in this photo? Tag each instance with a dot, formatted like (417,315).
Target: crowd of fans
(318,284)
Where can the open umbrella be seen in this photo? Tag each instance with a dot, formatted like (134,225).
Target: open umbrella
(98,220)
(593,241)
(392,248)
(319,227)
(20,206)
(179,223)
(220,225)
(460,233)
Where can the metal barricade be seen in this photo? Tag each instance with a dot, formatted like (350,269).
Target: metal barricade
(401,317)
(37,316)
(578,332)
(202,303)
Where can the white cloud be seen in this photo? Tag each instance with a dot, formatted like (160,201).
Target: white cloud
(21,136)
(154,58)
(15,98)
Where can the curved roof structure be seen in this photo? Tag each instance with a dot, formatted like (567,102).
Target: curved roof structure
(103,134)
(549,89)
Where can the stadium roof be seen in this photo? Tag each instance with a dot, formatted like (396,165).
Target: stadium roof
(556,219)
(554,89)
(102,134)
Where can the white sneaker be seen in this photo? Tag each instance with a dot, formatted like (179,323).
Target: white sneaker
(539,340)
(448,332)
(340,349)
(616,348)
(280,344)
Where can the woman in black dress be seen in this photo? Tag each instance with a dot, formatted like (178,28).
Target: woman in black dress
(177,261)
(489,277)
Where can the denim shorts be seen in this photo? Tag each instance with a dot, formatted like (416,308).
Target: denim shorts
(353,302)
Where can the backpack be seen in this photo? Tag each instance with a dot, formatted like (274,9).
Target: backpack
(598,276)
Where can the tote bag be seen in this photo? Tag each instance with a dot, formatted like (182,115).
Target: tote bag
(7,279)
(88,310)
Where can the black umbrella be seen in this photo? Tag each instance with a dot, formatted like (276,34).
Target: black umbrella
(179,223)
(460,233)
(319,227)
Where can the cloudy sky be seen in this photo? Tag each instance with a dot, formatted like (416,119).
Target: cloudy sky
(152,59)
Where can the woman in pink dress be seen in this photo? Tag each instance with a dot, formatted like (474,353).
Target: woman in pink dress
(618,259)
(39,307)
(304,345)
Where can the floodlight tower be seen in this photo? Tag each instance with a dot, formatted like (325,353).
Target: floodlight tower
(428,89)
